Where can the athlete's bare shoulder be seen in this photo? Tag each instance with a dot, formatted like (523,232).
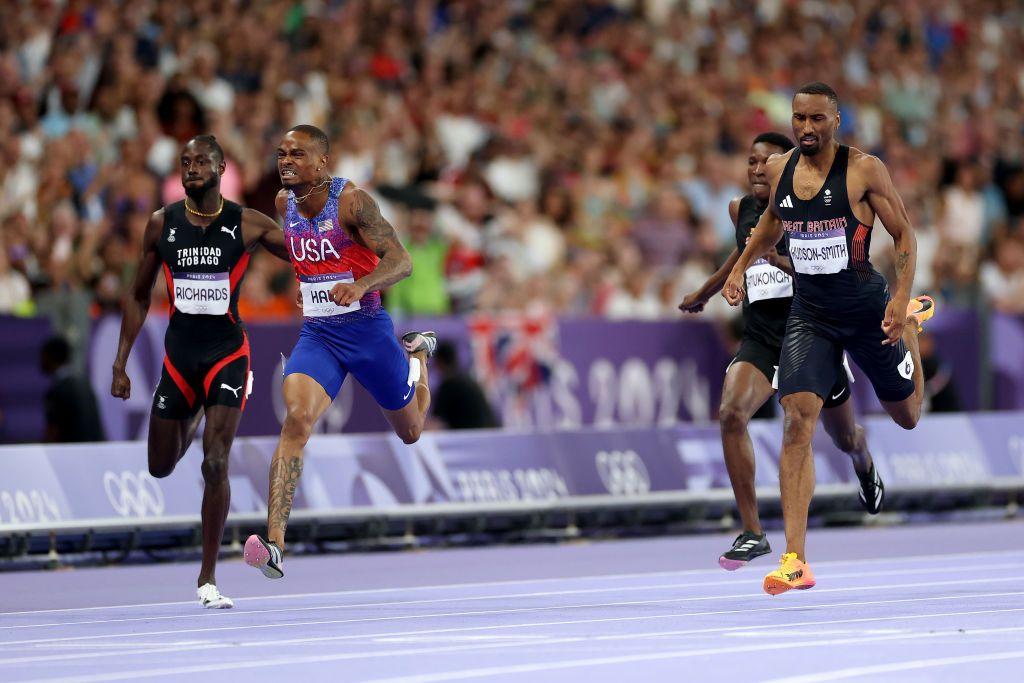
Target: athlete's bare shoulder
(776,162)
(155,224)
(867,168)
(734,210)
(281,202)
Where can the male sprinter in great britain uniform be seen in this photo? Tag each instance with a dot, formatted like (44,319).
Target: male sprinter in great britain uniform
(203,245)
(824,198)
(344,252)
(752,376)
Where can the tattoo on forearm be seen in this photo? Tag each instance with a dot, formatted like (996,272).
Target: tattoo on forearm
(284,479)
(380,236)
(902,261)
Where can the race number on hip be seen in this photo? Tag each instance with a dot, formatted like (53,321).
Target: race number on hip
(765,281)
(819,253)
(316,295)
(202,293)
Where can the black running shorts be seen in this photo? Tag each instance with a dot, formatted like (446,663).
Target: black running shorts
(199,373)
(814,344)
(765,358)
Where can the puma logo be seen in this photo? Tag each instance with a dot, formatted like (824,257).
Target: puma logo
(230,231)
(231,389)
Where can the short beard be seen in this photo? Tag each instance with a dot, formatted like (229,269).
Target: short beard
(197,193)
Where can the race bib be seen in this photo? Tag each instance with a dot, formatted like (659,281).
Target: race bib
(819,253)
(316,295)
(202,293)
(765,281)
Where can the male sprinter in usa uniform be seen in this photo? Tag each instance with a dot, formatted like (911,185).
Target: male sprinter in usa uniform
(203,245)
(824,198)
(344,253)
(752,376)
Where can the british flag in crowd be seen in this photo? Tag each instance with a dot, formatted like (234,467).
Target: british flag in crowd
(514,356)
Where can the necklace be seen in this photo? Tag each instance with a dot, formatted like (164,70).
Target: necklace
(316,188)
(205,215)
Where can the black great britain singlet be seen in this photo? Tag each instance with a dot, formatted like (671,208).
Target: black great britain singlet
(204,268)
(769,290)
(827,243)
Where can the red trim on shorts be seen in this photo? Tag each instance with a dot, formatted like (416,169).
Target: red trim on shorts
(239,270)
(242,350)
(170,284)
(180,382)
(859,238)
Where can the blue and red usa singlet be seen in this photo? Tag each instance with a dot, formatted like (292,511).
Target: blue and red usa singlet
(337,340)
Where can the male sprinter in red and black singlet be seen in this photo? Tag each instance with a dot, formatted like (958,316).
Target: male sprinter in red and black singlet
(344,253)
(752,376)
(203,245)
(824,199)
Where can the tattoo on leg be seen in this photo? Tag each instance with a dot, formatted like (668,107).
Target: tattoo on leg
(284,479)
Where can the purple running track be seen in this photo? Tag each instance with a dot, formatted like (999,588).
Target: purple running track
(911,603)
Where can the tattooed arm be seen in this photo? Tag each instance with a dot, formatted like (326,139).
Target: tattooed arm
(360,215)
(883,198)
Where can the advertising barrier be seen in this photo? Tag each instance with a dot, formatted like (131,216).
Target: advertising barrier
(47,486)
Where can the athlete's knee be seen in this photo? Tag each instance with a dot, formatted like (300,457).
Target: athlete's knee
(733,419)
(847,439)
(215,468)
(298,424)
(907,418)
(798,427)
(410,434)
(159,470)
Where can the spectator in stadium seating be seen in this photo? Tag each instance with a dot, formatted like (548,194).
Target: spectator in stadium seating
(423,292)
(15,294)
(72,414)
(460,402)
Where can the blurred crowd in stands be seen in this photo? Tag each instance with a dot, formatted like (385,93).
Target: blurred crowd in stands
(574,156)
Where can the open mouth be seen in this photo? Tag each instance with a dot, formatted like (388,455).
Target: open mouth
(287,173)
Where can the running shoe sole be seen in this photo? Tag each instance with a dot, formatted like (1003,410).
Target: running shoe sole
(730,565)
(257,555)
(774,586)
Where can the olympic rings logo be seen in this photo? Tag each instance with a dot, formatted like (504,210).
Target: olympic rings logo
(623,473)
(134,494)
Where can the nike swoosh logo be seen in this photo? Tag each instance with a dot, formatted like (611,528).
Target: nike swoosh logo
(409,393)
(838,395)
(292,225)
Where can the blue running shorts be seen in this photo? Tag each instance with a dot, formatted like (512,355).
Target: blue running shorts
(364,345)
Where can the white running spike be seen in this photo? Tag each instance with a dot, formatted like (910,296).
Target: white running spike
(210,597)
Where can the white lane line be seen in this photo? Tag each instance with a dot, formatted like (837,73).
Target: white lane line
(448,632)
(202,614)
(566,579)
(493,671)
(515,610)
(910,665)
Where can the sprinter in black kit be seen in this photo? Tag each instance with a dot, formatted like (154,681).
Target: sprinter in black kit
(752,377)
(202,245)
(825,198)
